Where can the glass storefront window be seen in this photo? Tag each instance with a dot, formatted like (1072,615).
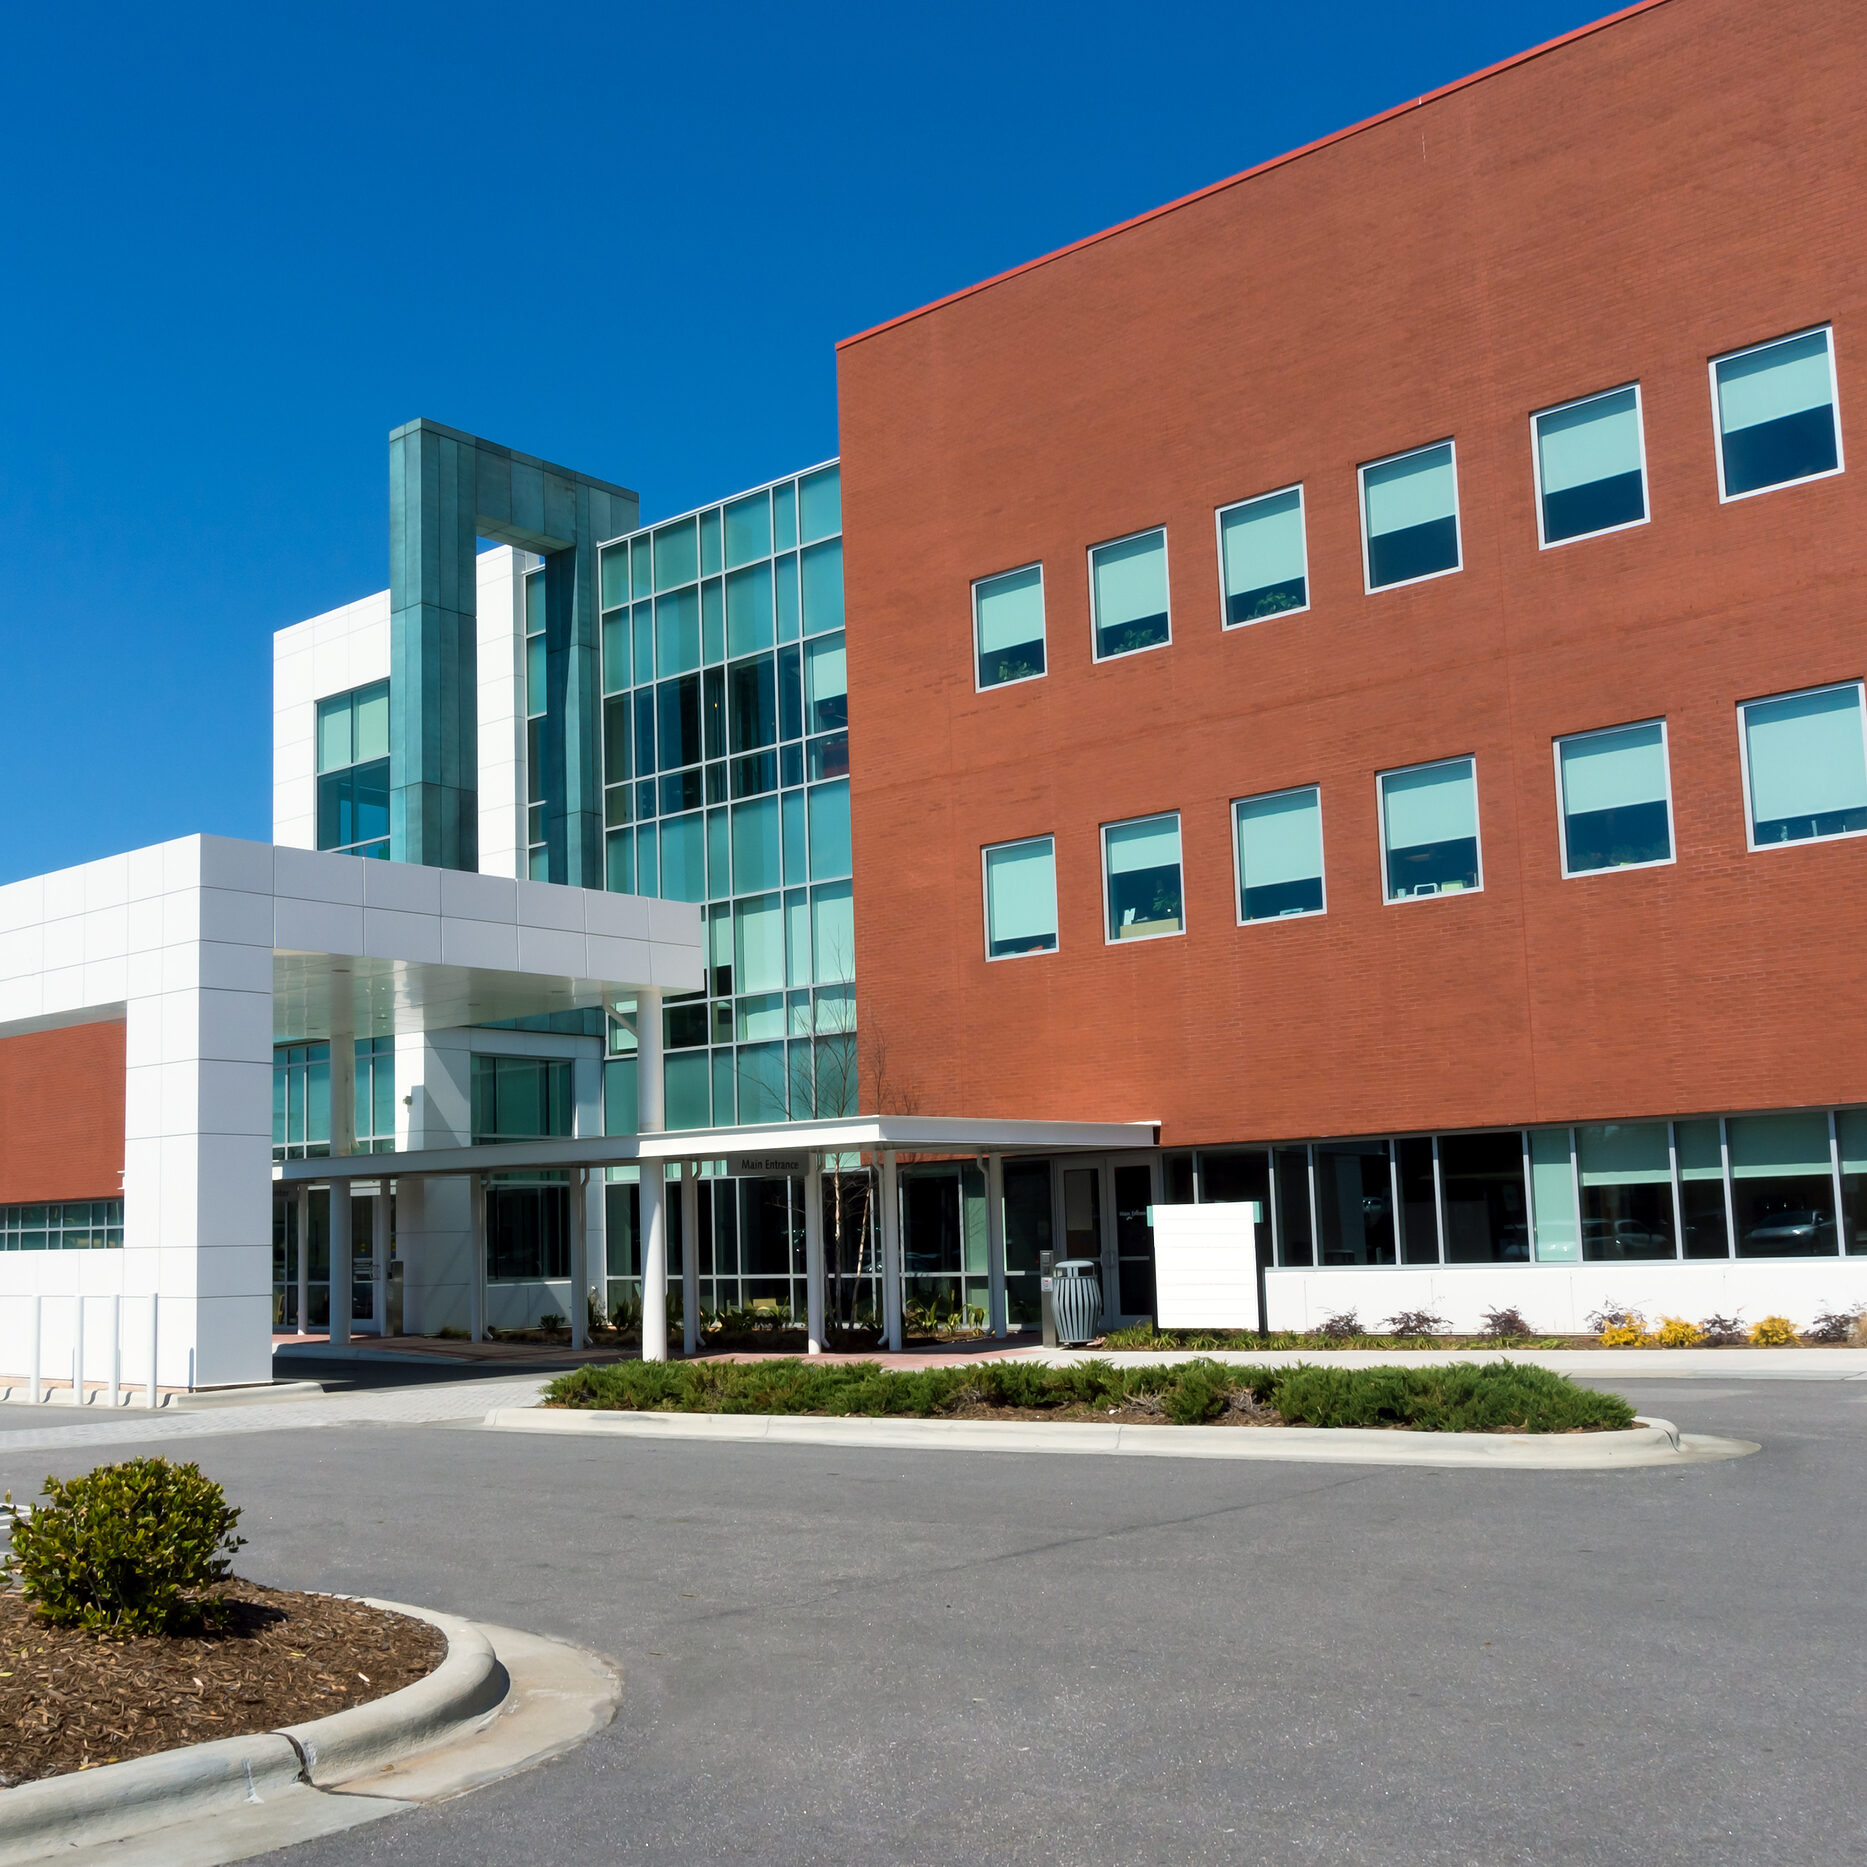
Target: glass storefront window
(1482,1183)
(1627,1191)
(1355,1203)
(1782,1186)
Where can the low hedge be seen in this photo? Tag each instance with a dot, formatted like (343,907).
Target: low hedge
(1467,1397)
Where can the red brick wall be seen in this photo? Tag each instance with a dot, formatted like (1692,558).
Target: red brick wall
(1621,207)
(61,1115)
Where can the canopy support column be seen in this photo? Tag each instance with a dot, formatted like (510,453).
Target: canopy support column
(690,1257)
(341,1271)
(580,1261)
(813,1253)
(651,1118)
(304,1259)
(891,1250)
(995,1241)
(379,1257)
(476,1273)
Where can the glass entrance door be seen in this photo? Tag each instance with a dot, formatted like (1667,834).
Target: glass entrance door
(1134,1235)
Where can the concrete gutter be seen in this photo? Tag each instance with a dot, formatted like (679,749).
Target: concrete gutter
(498,1702)
(1650,1442)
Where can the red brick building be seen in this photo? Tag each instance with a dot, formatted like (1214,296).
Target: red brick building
(1649,995)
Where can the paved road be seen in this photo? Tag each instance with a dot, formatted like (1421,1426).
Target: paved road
(871,1657)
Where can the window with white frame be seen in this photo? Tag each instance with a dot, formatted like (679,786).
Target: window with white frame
(1777,414)
(1410,516)
(1590,467)
(353,771)
(1128,592)
(1008,626)
(1279,840)
(1805,764)
(1021,898)
(1429,829)
(1616,798)
(1141,867)
(1263,557)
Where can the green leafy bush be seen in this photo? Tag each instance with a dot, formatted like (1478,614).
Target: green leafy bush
(1497,1397)
(124,1549)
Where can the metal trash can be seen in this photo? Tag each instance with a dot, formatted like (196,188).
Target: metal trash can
(392,1297)
(1076,1295)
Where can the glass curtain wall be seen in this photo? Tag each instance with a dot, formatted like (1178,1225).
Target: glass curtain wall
(726,783)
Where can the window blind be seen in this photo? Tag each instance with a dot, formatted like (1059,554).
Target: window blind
(1766,385)
(1011,610)
(1131,580)
(1623,1154)
(1607,771)
(1153,843)
(1417,489)
(1598,440)
(1021,891)
(1280,839)
(1263,543)
(1807,757)
(1769,1146)
(1431,804)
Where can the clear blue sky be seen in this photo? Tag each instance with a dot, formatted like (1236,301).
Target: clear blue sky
(243,242)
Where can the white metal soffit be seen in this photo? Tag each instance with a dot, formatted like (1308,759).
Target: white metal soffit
(905,1134)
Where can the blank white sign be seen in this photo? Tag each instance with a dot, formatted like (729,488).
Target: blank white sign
(1206,1266)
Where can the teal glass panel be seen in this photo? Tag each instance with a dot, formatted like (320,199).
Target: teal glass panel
(784,517)
(684,858)
(833,933)
(755,1020)
(685,1084)
(619,1096)
(382,1095)
(535,602)
(823,587)
(1552,1187)
(641,568)
(748,530)
(797,937)
(748,610)
(829,830)
(677,631)
(334,734)
(796,857)
(784,584)
(644,623)
(371,721)
(615,576)
(820,504)
(803,1091)
(615,651)
(647,871)
(677,558)
(756,845)
(719,862)
(318,1096)
(710,555)
(761,1084)
(534,676)
(725,1104)
(713,620)
(758,944)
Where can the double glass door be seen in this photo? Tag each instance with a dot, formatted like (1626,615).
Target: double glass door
(1103,1215)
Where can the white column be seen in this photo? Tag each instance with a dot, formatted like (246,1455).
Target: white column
(690,1257)
(304,1259)
(580,1260)
(813,1252)
(35,1391)
(155,1344)
(113,1392)
(651,1118)
(476,1272)
(379,1256)
(891,1250)
(77,1352)
(341,1268)
(995,1240)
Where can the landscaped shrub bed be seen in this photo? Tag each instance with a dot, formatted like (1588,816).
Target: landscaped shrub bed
(1465,1398)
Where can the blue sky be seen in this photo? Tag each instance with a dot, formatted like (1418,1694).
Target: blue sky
(243,242)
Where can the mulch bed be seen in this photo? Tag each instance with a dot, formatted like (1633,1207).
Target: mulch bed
(70,1701)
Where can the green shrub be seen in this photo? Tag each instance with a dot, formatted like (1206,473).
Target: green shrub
(124,1549)
(1497,1397)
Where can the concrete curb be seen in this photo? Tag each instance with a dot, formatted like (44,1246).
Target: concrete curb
(1671,1364)
(202,1783)
(1651,1442)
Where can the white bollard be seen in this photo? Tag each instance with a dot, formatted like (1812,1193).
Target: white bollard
(77,1353)
(155,1317)
(113,1392)
(36,1392)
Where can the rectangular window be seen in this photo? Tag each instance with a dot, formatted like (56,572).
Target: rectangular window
(1616,799)
(1141,864)
(1263,557)
(1355,1203)
(1805,763)
(1782,1186)
(1776,413)
(1410,516)
(1552,1196)
(1627,1191)
(520,1098)
(1128,591)
(1487,1214)
(1429,829)
(826,685)
(1008,626)
(1279,843)
(353,771)
(1700,1148)
(1590,466)
(1021,898)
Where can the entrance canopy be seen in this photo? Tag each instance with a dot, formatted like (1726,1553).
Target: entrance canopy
(753,1150)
